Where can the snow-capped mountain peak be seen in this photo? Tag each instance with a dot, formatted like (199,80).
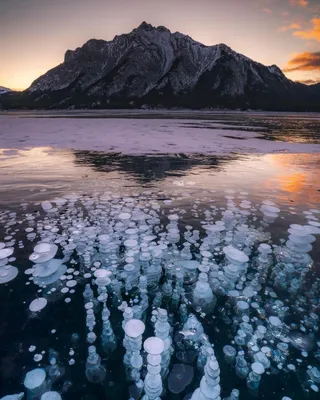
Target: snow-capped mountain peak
(4,90)
(153,66)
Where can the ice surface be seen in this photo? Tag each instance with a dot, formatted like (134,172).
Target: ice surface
(129,136)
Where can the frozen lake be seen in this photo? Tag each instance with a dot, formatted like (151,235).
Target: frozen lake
(102,189)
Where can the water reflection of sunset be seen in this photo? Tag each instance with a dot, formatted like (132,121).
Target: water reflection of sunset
(296,177)
(293,183)
(287,179)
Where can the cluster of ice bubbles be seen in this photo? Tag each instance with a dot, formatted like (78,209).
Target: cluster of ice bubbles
(134,254)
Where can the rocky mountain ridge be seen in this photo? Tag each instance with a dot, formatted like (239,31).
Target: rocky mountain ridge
(152,67)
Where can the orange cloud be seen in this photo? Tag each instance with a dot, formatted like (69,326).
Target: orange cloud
(267,10)
(313,33)
(309,81)
(304,62)
(292,26)
(300,3)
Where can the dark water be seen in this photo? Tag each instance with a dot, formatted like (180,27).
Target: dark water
(34,175)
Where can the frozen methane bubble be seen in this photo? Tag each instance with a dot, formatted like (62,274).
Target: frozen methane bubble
(125,244)
(7,273)
(46,205)
(190,270)
(275,321)
(124,216)
(203,296)
(235,255)
(43,252)
(102,276)
(192,329)
(209,384)
(134,328)
(43,270)
(95,372)
(270,211)
(5,252)
(38,304)
(51,396)
(180,377)
(301,341)
(18,396)
(229,354)
(153,345)
(314,374)
(153,383)
(34,379)
(257,368)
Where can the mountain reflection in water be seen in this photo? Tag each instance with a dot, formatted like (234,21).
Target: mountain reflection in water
(286,178)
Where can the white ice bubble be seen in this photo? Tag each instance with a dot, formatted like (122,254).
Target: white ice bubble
(8,273)
(134,328)
(51,396)
(38,304)
(34,378)
(71,283)
(153,345)
(37,357)
(257,368)
(235,254)
(5,252)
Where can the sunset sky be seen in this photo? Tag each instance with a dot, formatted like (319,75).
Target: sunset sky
(34,34)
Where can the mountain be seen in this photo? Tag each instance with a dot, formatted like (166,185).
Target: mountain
(151,66)
(4,90)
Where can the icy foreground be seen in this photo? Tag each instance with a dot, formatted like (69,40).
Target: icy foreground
(137,136)
(175,281)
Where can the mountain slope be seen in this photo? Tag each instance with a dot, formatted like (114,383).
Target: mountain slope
(152,66)
(4,90)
